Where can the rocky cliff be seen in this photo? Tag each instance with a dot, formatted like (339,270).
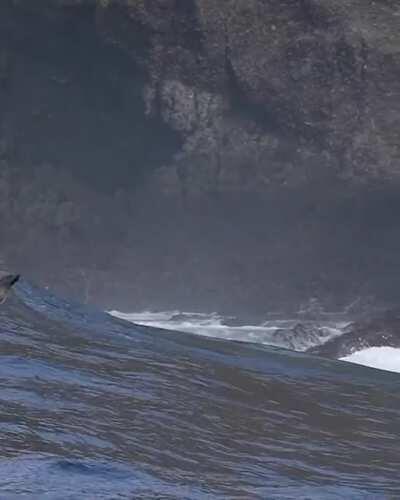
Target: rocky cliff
(252,144)
(289,92)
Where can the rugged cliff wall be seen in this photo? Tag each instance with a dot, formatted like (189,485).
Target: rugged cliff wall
(289,92)
(199,151)
(295,91)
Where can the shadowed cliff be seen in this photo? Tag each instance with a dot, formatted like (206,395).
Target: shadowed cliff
(232,154)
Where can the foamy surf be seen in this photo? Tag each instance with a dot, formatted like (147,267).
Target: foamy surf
(382,358)
(288,333)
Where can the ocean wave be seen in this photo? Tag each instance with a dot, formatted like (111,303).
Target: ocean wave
(288,333)
(92,406)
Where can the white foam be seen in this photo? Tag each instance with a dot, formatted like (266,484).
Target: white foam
(382,358)
(145,316)
(212,325)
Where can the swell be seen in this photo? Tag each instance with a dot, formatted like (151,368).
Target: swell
(184,416)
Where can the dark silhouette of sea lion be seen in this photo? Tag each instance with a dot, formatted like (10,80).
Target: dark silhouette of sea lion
(6,283)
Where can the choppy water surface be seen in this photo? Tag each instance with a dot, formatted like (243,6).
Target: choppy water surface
(94,407)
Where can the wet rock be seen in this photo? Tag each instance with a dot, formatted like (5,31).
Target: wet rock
(383,330)
(302,335)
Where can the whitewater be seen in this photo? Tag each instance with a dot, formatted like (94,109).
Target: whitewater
(289,333)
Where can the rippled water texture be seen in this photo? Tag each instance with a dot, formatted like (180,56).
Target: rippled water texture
(93,407)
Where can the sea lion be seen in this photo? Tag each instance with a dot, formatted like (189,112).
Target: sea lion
(6,283)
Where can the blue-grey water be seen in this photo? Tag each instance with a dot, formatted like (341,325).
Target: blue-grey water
(92,407)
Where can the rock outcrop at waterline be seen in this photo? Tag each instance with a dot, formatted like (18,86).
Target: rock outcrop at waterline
(382,330)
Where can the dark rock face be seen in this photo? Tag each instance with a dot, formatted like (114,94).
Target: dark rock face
(202,152)
(383,330)
(287,92)
(265,91)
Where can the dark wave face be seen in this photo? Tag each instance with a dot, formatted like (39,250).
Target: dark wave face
(93,407)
